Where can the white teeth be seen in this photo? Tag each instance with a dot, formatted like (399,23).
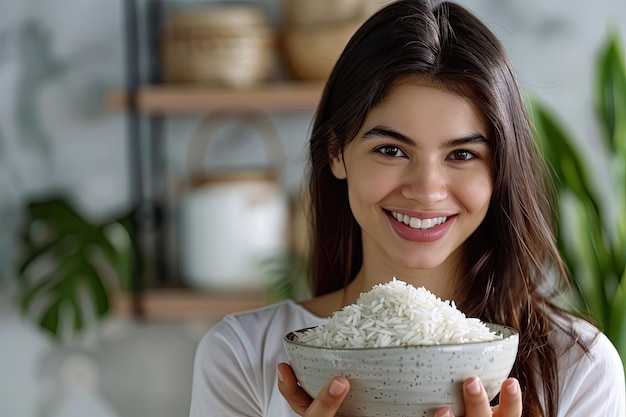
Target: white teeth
(416,223)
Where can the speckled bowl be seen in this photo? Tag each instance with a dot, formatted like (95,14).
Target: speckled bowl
(410,381)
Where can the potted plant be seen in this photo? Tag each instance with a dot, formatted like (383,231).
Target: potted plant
(592,232)
(69,266)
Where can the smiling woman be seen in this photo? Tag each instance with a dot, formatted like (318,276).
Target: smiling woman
(419,183)
(423,166)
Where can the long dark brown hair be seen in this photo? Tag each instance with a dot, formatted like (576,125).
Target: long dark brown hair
(513,254)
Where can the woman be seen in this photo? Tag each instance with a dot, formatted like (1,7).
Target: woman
(423,167)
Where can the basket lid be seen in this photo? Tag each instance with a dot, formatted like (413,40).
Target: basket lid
(218,17)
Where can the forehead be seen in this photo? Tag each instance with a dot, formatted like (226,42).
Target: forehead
(422,109)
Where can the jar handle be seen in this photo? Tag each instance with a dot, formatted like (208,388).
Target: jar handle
(259,121)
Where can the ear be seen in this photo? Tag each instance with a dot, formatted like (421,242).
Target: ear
(338,167)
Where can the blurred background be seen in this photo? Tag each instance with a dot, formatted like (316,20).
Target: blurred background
(151,164)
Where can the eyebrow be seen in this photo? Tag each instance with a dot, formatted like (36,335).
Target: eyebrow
(383,131)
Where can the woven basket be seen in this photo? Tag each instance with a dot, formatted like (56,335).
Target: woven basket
(219,44)
(311,52)
(321,12)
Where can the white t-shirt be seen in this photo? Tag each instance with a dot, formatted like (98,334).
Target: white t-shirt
(235,368)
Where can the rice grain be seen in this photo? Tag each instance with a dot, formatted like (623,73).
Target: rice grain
(397,314)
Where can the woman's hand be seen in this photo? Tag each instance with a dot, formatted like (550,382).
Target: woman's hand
(477,403)
(325,405)
(332,395)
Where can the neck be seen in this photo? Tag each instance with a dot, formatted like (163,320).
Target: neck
(441,281)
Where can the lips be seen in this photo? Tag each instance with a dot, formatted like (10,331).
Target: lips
(429,230)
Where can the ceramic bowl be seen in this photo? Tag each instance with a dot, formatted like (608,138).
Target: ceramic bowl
(406,381)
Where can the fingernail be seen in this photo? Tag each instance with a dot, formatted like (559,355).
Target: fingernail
(281,377)
(337,388)
(473,387)
(512,387)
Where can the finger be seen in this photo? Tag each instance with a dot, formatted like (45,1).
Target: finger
(443,412)
(288,386)
(510,399)
(330,398)
(475,398)
(325,405)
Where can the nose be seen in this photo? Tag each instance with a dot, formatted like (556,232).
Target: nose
(425,183)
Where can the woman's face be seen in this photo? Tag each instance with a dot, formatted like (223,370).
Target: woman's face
(419,179)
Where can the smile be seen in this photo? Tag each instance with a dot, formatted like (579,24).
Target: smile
(416,223)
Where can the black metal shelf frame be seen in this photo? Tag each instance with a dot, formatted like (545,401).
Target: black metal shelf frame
(142,26)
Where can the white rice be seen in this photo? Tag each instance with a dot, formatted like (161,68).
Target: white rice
(397,314)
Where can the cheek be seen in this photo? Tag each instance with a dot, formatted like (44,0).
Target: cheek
(367,188)
(476,193)
(369,184)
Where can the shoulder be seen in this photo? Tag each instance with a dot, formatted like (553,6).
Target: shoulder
(283,314)
(235,362)
(591,372)
(579,342)
(254,329)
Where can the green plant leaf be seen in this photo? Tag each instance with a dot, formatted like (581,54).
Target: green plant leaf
(593,243)
(282,273)
(592,263)
(611,94)
(35,252)
(119,233)
(67,262)
(99,294)
(30,293)
(617,331)
(568,168)
(77,315)
(50,319)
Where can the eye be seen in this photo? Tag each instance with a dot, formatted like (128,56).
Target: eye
(391,151)
(462,155)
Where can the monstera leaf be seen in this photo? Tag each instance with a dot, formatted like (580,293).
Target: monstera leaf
(70,265)
(592,236)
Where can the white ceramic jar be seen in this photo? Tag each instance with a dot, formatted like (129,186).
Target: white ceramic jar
(234,220)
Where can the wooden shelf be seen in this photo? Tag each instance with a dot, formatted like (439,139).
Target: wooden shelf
(191,99)
(183,304)
(180,99)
